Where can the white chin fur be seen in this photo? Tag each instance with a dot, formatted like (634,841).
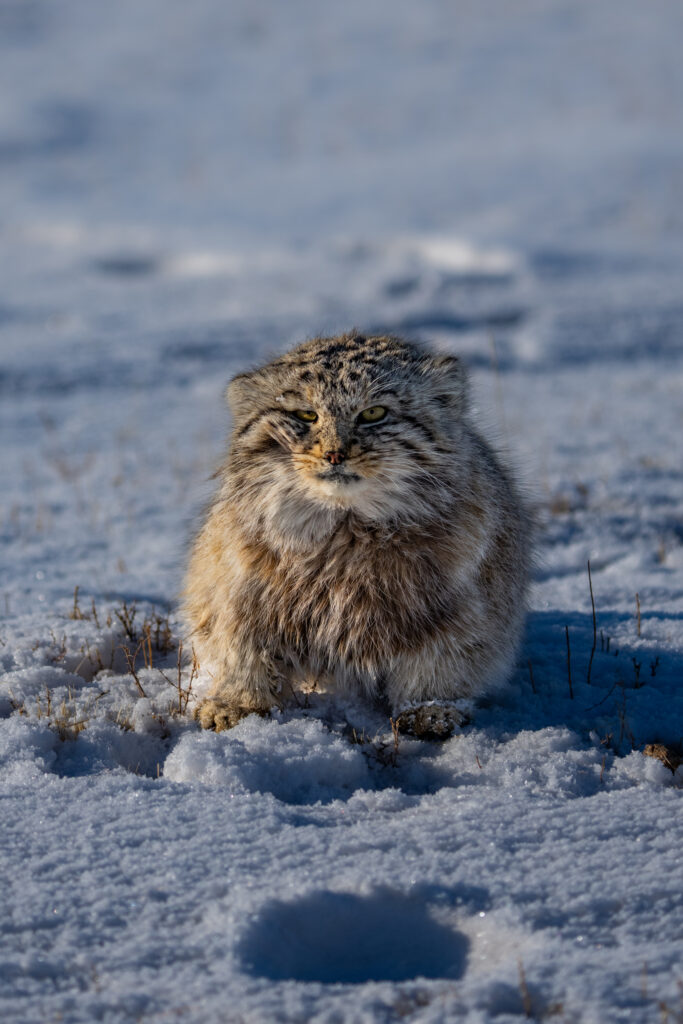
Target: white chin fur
(340,492)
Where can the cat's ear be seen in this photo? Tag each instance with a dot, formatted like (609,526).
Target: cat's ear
(242,394)
(448,382)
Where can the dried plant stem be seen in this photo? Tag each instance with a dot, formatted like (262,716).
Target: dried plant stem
(499,386)
(126,616)
(76,612)
(146,642)
(183,694)
(524,991)
(130,658)
(569,664)
(595,627)
(395,734)
(638,613)
(180,672)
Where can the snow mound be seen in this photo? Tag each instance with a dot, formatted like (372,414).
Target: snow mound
(27,750)
(298,762)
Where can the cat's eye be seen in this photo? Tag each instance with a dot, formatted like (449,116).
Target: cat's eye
(307,415)
(372,415)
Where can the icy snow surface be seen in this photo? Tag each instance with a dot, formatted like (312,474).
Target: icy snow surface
(185,188)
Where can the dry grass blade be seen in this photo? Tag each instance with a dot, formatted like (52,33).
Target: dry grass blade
(638,614)
(130,659)
(126,616)
(76,612)
(524,991)
(595,626)
(184,693)
(569,664)
(396,734)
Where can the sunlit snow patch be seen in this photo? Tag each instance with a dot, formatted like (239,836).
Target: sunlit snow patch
(460,256)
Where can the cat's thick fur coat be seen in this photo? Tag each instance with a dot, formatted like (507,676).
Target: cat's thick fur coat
(389,555)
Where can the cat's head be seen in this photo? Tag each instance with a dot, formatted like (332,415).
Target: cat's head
(365,424)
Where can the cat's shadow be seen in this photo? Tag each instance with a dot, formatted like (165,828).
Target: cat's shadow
(594,683)
(618,697)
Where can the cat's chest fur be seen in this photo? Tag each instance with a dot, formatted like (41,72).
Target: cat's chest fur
(360,597)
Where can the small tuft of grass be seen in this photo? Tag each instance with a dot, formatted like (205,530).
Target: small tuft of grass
(671,1014)
(65,718)
(76,612)
(535,1008)
(67,724)
(142,640)
(377,748)
(670,755)
(126,616)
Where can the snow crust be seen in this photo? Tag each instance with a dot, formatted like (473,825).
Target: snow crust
(185,190)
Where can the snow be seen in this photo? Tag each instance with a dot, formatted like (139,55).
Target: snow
(185,190)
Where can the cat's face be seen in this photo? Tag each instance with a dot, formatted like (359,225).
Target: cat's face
(348,423)
(345,443)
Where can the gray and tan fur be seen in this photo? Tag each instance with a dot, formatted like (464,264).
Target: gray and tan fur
(387,557)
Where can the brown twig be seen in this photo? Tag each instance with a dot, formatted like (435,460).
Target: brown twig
(595,630)
(130,658)
(76,612)
(395,734)
(569,664)
(524,991)
(126,616)
(183,694)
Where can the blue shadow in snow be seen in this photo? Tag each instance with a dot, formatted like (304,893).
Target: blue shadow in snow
(343,938)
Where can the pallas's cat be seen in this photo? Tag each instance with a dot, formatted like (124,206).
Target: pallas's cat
(363,536)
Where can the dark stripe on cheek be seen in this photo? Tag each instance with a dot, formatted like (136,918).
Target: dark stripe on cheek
(421,426)
(264,445)
(379,392)
(410,446)
(254,420)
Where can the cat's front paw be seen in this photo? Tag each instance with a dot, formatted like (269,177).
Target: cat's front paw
(218,713)
(433,720)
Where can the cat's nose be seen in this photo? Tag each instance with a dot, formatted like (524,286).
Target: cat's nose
(334,457)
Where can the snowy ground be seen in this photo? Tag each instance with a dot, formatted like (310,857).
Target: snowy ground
(185,188)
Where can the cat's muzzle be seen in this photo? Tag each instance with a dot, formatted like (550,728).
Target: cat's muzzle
(338,475)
